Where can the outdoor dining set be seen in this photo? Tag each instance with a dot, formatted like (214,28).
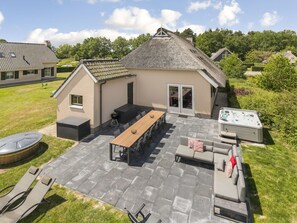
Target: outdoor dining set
(133,138)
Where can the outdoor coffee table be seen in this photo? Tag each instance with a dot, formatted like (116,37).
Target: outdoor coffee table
(130,136)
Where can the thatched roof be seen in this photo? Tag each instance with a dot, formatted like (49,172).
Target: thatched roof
(25,56)
(215,55)
(167,51)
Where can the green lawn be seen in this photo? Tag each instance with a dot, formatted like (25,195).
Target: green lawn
(272,175)
(29,108)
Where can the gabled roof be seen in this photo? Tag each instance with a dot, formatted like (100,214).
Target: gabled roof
(99,70)
(22,56)
(288,54)
(219,52)
(167,51)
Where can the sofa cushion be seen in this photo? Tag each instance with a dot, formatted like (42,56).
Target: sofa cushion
(207,142)
(198,146)
(220,165)
(184,151)
(206,156)
(208,148)
(229,169)
(223,187)
(241,187)
(191,143)
(217,157)
(234,175)
(184,140)
(220,150)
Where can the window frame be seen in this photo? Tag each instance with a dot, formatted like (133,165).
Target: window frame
(47,72)
(76,101)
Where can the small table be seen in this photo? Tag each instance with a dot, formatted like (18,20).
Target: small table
(127,139)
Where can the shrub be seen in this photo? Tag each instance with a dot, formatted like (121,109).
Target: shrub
(65,69)
(233,66)
(242,91)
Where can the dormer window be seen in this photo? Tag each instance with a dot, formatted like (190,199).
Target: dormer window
(12,55)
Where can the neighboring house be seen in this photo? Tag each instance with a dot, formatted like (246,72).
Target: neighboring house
(292,58)
(165,73)
(220,54)
(93,90)
(26,62)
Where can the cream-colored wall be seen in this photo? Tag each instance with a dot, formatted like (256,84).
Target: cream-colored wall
(80,84)
(115,94)
(151,88)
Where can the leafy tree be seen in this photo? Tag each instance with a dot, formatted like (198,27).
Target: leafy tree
(3,41)
(64,51)
(136,42)
(233,66)
(188,33)
(278,75)
(257,56)
(98,47)
(120,47)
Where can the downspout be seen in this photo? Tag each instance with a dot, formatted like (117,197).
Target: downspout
(101,86)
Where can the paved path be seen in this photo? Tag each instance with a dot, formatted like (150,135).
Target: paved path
(173,192)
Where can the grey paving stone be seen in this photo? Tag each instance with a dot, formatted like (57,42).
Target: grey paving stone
(197,217)
(189,180)
(168,192)
(139,182)
(130,173)
(193,170)
(155,181)
(177,171)
(161,172)
(162,207)
(181,204)
(121,184)
(203,190)
(178,217)
(132,194)
(150,193)
(205,179)
(122,204)
(186,192)
(112,196)
(172,181)
(146,172)
(202,204)
(87,186)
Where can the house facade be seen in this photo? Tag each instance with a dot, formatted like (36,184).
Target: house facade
(174,76)
(26,62)
(165,73)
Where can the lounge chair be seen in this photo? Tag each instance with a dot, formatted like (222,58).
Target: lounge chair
(138,117)
(134,218)
(29,204)
(126,126)
(18,190)
(143,113)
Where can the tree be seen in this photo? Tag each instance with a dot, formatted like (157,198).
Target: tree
(136,42)
(257,56)
(233,66)
(120,47)
(278,74)
(188,33)
(3,41)
(64,51)
(98,47)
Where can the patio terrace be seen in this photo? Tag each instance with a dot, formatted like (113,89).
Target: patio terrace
(172,192)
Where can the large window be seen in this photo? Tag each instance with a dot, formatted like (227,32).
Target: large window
(28,72)
(9,75)
(77,100)
(47,72)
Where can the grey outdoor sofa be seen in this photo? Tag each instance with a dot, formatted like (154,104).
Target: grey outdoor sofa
(229,193)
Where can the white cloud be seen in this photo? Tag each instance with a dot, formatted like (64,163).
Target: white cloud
(1,17)
(198,29)
(134,18)
(57,38)
(196,6)
(228,15)
(269,18)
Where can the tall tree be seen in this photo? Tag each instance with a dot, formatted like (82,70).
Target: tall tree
(120,47)
(64,51)
(139,40)
(278,75)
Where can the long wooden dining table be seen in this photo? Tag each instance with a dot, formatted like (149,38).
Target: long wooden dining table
(130,136)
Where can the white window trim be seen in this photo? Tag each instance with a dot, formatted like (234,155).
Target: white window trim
(76,106)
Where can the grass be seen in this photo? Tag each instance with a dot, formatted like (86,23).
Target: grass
(29,108)
(271,171)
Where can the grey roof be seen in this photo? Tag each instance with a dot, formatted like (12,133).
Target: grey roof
(219,52)
(288,54)
(171,52)
(27,56)
(105,69)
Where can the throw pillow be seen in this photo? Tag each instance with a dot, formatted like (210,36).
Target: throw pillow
(191,143)
(221,165)
(233,161)
(229,169)
(198,146)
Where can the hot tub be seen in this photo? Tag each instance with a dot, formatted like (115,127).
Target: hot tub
(19,146)
(245,123)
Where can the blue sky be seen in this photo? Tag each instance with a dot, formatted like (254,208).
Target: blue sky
(70,21)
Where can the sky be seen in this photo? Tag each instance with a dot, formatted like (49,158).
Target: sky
(71,21)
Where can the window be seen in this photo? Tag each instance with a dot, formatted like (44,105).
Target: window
(47,72)
(28,72)
(77,100)
(12,55)
(9,75)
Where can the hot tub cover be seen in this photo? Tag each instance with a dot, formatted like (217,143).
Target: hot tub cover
(19,142)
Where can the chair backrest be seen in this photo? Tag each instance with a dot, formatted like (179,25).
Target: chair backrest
(151,130)
(34,197)
(126,126)
(140,140)
(143,113)
(138,117)
(132,218)
(116,133)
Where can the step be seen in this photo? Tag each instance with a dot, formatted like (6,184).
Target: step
(228,140)
(228,134)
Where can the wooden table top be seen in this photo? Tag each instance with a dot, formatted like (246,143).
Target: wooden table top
(127,138)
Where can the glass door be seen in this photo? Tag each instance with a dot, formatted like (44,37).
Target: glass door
(187,106)
(174,98)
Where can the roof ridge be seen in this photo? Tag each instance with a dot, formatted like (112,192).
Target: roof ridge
(98,60)
(43,44)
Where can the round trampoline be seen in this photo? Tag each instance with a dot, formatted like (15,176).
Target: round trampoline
(19,146)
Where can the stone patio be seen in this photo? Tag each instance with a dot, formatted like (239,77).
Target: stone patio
(173,192)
